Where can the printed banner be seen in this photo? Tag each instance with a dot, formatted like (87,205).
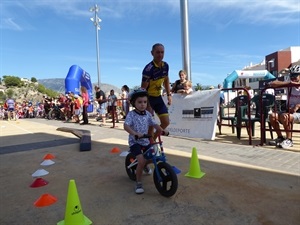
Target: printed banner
(194,115)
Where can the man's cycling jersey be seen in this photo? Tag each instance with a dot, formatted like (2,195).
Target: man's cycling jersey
(155,75)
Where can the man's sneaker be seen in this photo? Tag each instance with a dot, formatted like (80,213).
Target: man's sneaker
(147,170)
(139,188)
(287,143)
(276,141)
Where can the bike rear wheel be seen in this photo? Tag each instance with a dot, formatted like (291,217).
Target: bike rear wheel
(132,170)
(167,183)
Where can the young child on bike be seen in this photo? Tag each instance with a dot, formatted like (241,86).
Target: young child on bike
(137,123)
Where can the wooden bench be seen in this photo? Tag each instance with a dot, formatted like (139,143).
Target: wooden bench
(84,135)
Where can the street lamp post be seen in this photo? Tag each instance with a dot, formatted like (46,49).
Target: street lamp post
(96,20)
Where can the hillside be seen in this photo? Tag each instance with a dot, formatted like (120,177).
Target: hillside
(31,93)
(58,84)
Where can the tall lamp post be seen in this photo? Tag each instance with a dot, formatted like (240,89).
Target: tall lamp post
(96,20)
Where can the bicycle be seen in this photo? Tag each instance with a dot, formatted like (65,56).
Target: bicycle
(164,176)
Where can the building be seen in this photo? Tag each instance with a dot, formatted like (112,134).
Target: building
(277,62)
(274,65)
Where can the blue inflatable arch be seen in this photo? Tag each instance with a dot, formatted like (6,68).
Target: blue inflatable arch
(78,77)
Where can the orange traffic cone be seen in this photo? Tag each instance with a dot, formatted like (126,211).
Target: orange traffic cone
(74,214)
(45,200)
(49,156)
(195,171)
(115,150)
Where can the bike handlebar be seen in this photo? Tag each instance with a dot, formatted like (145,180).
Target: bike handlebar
(144,136)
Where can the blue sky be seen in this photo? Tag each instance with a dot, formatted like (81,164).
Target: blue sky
(43,38)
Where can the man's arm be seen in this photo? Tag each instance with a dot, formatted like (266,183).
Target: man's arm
(144,85)
(278,83)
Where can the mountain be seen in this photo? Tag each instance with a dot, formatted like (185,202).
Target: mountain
(58,84)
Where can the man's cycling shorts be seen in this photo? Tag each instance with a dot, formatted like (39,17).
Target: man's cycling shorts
(158,105)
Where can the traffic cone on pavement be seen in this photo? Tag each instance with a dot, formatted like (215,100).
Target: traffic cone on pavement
(45,200)
(74,213)
(115,150)
(195,171)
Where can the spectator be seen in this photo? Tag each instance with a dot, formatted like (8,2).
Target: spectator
(179,84)
(101,99)
(112,105)
(156,75)
(85,104)
(293,113)
(10,108)
(125,102)
(77,107)
(187,88)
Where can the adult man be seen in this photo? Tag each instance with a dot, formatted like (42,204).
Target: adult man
(101,99)
(293,113)
(155,75)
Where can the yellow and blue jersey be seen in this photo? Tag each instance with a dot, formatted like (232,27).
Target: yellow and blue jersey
(155,75)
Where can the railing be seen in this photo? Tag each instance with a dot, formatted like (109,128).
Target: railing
(118,106)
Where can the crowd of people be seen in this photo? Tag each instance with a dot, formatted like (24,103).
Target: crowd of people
(69,107)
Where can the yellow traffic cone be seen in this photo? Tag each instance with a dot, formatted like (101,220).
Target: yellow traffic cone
(195,171)
(74,214)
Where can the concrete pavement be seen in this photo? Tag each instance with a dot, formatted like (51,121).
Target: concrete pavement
(243,184)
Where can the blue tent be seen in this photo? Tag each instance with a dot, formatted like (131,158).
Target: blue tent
(246,74)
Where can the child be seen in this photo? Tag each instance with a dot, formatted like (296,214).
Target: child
(187,88)
(112,105)
(136,124)
(77,107)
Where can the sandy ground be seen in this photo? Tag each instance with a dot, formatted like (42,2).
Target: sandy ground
(225,195)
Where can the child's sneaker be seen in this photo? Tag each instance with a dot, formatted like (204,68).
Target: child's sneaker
(147,170)
(287,143)
(139,188)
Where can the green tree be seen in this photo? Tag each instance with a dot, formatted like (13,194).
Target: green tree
(10,93)
(12,81)
(33,79)
(198,87)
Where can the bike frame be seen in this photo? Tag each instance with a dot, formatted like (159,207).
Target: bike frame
(155,158)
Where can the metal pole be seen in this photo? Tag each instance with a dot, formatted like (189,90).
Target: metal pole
(98,53)
(185,38)
(96,20)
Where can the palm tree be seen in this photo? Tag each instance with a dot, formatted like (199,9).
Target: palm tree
(198,87)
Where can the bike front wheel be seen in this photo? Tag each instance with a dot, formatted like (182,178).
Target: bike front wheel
(132,170)
(166,183)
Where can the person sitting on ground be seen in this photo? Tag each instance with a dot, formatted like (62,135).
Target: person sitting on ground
(293,113)
(137,123)
(187,88)
(179,84)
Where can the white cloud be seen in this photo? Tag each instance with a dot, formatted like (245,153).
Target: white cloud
(9,23)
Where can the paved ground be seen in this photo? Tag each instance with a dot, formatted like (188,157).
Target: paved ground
(243,184)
